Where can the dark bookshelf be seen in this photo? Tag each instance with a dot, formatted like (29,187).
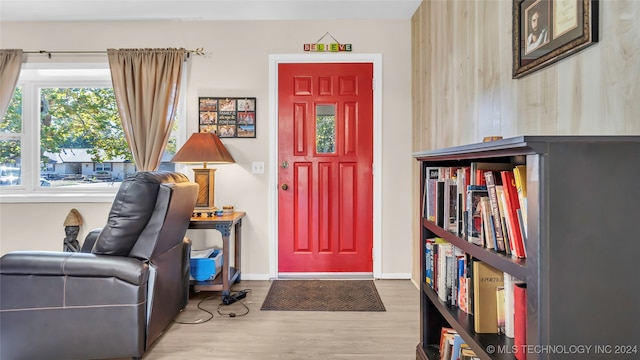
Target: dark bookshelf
(583,203)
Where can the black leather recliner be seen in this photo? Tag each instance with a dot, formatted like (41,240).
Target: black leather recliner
(115,297)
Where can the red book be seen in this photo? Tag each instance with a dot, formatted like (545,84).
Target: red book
(480,180)
(513,205)
(520,320)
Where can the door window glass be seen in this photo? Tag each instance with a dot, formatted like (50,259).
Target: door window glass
(325,129)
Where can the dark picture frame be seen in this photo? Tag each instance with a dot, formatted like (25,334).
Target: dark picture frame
(228,117)
(546,31)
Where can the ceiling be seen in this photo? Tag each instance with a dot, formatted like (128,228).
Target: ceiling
(200,10)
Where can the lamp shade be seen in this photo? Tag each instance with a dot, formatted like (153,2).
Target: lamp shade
(203,148)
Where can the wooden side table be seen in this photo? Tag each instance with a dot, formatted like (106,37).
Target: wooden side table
(229,274)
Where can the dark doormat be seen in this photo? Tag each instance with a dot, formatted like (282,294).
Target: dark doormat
(323,295)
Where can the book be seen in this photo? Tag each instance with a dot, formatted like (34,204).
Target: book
(512,205)
(455,350)
(461,294)
(487,224)
(450,277)
(520,177)
(468,354)
(470,265)
(432,249)
(500,312)
(520,320)
(451,219)
(523,231)
(445,253)
(461,186)
(509,282)
(486,280)
(441,247)
(428,262)
(493,180)
(446,344)
(431,178)
(474,213)
(465,173)
(503,219)
(463,303)
(442,210)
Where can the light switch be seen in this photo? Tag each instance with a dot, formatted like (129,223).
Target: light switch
(257,167)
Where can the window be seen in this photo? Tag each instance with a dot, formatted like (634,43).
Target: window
(11,141)
(102,167)
(62,132)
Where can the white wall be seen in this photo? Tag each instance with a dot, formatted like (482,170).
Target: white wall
(236,64)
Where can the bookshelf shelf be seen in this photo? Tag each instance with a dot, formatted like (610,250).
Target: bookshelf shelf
(582,197)
(463,324)
(515,267)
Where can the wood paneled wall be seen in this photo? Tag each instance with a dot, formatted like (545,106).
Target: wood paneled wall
(463,89)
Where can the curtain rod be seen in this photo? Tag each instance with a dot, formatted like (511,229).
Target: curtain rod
(197,51)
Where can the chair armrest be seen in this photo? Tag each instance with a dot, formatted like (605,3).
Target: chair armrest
(51,263)
(90,240)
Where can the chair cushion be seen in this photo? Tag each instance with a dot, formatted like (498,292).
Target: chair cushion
(131,210)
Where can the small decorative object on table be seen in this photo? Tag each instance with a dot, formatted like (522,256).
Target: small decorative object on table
(72,228)
(227,210)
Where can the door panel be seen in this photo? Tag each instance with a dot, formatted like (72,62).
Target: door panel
(325,156)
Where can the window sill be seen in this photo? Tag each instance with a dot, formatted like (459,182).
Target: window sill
(57,198)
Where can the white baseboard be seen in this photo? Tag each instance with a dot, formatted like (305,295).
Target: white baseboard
(389,276)
(394,276)
(244,276)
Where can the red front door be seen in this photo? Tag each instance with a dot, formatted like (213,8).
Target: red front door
(325,159)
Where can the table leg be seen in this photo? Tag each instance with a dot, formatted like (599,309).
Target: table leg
(236,248)
(225,264)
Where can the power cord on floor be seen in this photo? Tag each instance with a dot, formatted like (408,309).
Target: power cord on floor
(199,321)
(227,300)
(235,297)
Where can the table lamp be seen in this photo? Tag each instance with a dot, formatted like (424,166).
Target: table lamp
(204,148)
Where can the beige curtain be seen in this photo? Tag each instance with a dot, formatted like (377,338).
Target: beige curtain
(147,87)
(10,65)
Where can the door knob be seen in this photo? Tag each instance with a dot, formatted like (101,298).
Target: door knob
(285,164)
(284,186)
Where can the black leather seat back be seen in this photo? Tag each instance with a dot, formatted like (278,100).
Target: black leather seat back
(167,226)
(132,210)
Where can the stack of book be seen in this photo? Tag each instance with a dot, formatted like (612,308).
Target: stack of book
(484,203)
(494,298)
(453,347)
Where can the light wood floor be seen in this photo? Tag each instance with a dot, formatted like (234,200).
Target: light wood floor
(294,335)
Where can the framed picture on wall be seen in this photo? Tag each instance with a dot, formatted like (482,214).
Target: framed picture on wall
(228,117)
(546,31)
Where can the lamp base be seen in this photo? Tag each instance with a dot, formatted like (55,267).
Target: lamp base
(205,178)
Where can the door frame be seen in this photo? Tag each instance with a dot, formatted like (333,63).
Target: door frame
(274,60)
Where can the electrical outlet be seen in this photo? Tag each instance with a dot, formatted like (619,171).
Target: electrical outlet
(257,167)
